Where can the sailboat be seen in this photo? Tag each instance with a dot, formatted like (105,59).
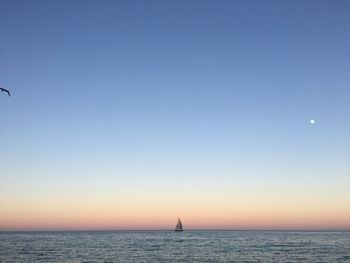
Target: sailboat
(178,227)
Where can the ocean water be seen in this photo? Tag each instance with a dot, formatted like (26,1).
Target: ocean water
(170,246)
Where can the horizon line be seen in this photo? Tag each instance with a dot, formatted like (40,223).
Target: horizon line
(171,230)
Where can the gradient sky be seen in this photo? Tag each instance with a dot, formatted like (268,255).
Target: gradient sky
(127,114)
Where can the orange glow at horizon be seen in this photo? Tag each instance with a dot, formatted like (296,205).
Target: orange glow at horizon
(158,215)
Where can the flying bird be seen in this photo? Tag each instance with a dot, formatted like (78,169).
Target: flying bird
(2,90)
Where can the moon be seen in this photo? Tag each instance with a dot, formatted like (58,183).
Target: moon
(312,121)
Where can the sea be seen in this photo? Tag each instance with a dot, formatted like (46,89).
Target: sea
(170,246)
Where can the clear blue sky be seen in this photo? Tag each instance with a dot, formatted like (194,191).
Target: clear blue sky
(150,94)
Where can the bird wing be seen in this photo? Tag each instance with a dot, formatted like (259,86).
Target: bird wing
(2,89)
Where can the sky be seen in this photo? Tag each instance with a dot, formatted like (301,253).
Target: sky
(129,114)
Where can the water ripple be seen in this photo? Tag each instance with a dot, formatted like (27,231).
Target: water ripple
(169,246)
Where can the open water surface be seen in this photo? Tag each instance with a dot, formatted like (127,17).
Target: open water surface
(169,246)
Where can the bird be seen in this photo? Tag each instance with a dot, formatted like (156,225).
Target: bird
(2,89)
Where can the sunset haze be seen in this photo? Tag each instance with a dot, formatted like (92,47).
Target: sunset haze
(130,114)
